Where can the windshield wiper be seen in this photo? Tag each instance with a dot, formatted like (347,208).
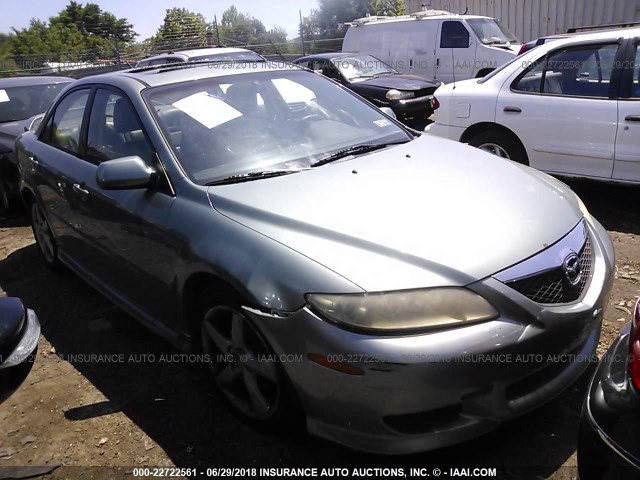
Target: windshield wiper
(354,150)
(245,177)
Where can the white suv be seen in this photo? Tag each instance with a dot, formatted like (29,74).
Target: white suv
(569,107)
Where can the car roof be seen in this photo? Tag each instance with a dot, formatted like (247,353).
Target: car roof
(33,80)
(167,74)
(569,38)
(331,55)
(197,52)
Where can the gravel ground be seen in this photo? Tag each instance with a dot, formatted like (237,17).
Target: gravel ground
(135,411)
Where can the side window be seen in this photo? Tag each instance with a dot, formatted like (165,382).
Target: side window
(328,69)
(66,123)
(583,71)
(531,81)
(164,60)
(115,130)
(454,35)
(635,85)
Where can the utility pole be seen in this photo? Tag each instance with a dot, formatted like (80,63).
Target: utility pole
(215,22)
(301,33)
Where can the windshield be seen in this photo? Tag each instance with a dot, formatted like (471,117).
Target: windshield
(20,103)
(263,121)
(235,56)
(491,31)
(363,66)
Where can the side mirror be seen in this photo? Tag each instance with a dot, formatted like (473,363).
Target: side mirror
(33,123)
(388,111)
(125,173)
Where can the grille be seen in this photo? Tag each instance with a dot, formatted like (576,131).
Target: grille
(549,287)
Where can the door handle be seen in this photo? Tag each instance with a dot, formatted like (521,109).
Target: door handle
(512,110)
(34,164)
(632,118)
(79,189)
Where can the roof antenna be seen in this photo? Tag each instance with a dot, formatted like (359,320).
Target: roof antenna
(453,68)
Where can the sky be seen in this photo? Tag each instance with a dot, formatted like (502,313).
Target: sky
(147,15)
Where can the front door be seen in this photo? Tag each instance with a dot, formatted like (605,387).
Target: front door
(455,52)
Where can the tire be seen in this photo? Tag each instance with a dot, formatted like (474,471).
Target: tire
(44,237)
(501,145)
(256,389)
(5,204)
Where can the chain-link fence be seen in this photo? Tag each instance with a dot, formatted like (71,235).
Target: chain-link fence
(78,65)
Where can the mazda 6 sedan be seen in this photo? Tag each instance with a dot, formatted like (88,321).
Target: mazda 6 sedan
(403,292)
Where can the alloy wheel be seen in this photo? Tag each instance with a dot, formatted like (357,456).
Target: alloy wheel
(494,149)
(241,363)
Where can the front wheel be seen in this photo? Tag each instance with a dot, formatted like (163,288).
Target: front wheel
(244,367)
(501,145)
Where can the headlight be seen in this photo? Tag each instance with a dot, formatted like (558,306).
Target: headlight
(394,94)
(404,310)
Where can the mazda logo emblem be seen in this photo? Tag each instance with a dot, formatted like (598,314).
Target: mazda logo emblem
(572,270)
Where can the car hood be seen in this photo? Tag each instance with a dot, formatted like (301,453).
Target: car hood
(427,213)
(399,82)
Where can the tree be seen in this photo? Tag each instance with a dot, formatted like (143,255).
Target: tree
(389,7)
(328,21)
(78,33)
(181,28)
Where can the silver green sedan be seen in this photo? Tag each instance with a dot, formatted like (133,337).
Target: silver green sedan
(402,292)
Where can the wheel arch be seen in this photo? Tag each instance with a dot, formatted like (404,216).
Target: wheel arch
(199,292)
(482,127)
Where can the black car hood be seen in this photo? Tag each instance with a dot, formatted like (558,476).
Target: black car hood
(399,82)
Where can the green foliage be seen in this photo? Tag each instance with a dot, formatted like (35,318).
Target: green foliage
(329,19)
(389,7)
(181,28)
(78,33)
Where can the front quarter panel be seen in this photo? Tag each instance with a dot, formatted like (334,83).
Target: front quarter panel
(265,273)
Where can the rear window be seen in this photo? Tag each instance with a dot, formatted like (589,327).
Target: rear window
(235,57)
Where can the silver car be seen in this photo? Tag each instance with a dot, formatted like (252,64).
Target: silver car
(404,292)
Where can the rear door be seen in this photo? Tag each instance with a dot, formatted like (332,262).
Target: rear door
(563,108)
(53,166)
(627,154)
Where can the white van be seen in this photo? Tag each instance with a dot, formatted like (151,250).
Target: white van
(434,43)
